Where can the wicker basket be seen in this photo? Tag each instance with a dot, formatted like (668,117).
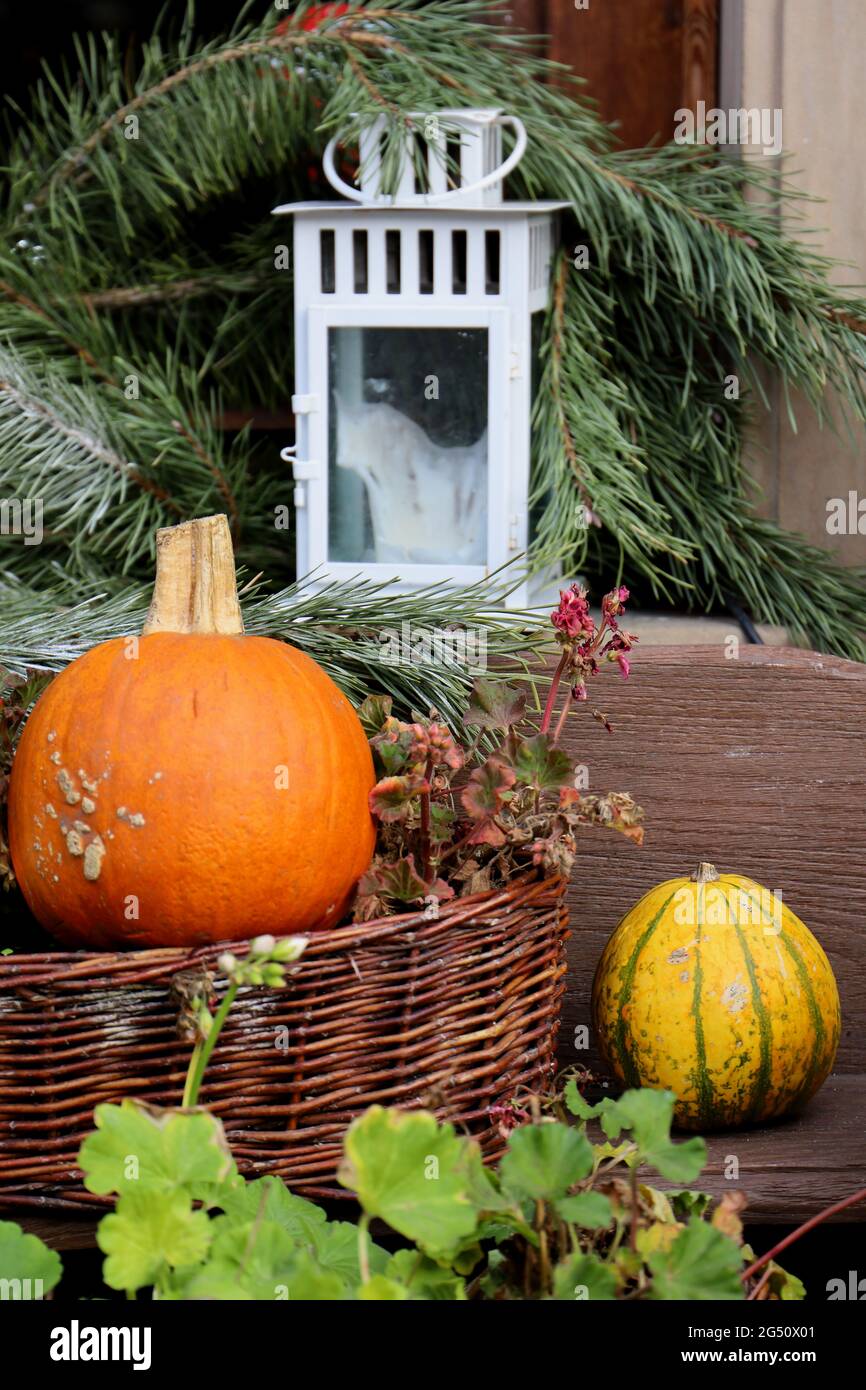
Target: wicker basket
(455,1014)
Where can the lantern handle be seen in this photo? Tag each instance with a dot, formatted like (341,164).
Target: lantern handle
(496,176)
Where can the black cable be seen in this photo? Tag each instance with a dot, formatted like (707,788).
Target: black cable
(751,632)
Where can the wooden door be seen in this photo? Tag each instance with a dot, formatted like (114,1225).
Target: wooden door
(641,59)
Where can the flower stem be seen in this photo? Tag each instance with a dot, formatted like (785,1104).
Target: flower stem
(202,1051)
(363,1248)
(552,694)
(425,824)
(801,1231)
(458,844)
(543,1258)
(561,721)
(632,1234)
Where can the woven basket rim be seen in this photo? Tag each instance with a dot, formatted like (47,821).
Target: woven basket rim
(26,968)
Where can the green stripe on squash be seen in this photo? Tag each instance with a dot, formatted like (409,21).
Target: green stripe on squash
(632,1075)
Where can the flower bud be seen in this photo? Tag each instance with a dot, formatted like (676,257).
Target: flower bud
(262,945)
(289,948)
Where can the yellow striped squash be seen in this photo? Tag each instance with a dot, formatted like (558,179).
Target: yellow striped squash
(712,988)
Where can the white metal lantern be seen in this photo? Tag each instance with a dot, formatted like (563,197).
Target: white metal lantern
(416,323)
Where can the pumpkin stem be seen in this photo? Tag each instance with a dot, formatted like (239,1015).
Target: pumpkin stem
(195,588)
(704,873)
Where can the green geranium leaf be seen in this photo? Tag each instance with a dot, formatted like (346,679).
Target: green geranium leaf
(495,1276)
(423,1278)
(483,1183)
(333,1243)
(393,753)
(784,1285)
(29,1265)
(411,1172)
(686,1202)
(648,1114)
(336,1250)
(216,1282)
(382,1290)
(149,1232)
(584,1278)
(310,1283)
(589,1209)
(544,1161)
(539,765)
(442,820)
(262,1255)
(607,1150)
(469,1256)
(700,1264)
(139,1148)
(578,1106)
(269,1199)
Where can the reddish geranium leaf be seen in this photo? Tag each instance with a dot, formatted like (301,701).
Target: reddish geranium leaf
(402,881)
(391,799)
(487,832)
(440,889)
(494,705)
(397,882)
(374,712)
(541,766)
(368,903)
(487,789)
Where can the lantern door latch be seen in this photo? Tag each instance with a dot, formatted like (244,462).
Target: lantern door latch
(305,405)
(303,470)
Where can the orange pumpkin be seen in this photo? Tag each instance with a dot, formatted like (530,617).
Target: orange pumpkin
(192,784)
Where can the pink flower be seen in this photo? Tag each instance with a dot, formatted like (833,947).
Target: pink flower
(572,617)
(507,1117)
(579,692)
(613,604)
(624,663)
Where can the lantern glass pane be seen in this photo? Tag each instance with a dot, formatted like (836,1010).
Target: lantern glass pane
(407,445)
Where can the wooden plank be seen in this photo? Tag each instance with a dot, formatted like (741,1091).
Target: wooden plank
(792,1170)
(756,763)
(60,1232)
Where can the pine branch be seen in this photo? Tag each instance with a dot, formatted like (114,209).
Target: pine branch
(361,635)
(690,278)
(170,291)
